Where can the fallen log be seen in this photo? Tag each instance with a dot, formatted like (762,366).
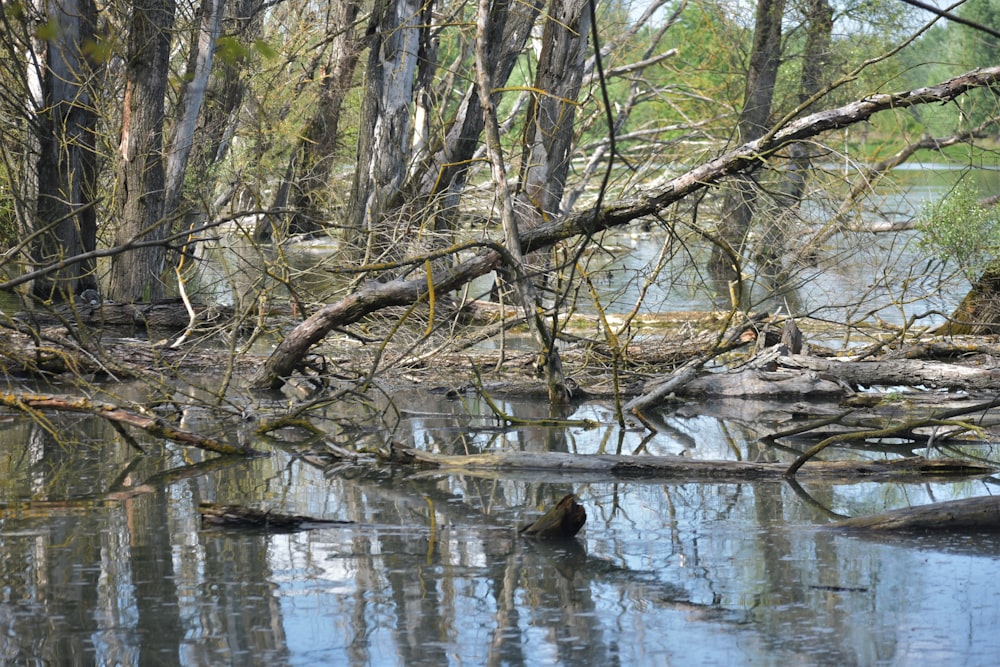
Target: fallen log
(288,355)
(680,468)
(237,516)
(902,372)
(757,382)
(966,515)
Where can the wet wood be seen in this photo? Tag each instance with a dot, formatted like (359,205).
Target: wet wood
(756,382)
(966,515)
(902,372)
(237,516)
(561,522)
(679,468)
(151,424)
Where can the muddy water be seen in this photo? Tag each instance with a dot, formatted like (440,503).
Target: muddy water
(108,564)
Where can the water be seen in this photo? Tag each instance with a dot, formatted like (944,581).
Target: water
(109,563)
(103,558)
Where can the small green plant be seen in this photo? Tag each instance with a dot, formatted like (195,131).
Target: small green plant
(959,228)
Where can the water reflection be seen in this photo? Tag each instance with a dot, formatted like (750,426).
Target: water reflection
(108,563)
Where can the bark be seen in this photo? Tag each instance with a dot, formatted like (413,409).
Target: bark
(902,372)
(972,515)
(197,76)
(137,275)
(288,355)
(741,200)
(62,161)
(678,468)
(549,126)
(384,132)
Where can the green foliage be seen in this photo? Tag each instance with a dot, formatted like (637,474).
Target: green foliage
(8,220)
(961,229)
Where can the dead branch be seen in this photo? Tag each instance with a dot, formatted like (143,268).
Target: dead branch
(151,424)
(941,417)
(681,468)
(287,357)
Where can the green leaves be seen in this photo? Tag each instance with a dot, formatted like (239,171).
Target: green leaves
(961,229)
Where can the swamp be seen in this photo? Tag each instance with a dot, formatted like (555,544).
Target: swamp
(107,557)
(555,332)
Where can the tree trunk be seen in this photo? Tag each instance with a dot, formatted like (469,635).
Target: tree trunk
(549,128)
(979,312)
(62,161)
(441,179)
(740,201)
(199,69)
(224,98)
(136,275)
(314,155)
(970,515)
(384,134)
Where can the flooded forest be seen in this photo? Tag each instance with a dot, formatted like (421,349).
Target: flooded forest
(553,332)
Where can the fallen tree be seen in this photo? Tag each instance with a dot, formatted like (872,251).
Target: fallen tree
(370,297)
(969,514)
(680,468)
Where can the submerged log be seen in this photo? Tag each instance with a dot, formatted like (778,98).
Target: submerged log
(236,516)
(967,515)
(679,468)
(561,522)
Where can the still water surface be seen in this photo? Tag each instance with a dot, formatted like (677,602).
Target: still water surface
(109,564)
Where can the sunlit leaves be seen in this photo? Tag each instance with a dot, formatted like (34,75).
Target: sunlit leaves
(960,228)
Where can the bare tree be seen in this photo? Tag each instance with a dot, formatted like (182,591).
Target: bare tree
(140,192)
(60,217)
(740,201)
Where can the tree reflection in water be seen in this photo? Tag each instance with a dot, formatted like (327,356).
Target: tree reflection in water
(108,564)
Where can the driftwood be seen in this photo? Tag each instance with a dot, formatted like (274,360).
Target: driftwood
(757,382)
(288,356)
(236,516)
(561,522)
(151,424)
(937,418)
(680,468)
(969,514)
(905,372)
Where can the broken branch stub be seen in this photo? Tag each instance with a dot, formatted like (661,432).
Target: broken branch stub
(562,522)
